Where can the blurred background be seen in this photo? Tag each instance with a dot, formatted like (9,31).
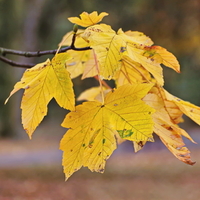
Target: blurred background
(152,173)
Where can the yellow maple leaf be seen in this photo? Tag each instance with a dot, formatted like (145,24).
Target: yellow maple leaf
(107,46)
(93,127)
(165,123)
(42,83)
(87,19)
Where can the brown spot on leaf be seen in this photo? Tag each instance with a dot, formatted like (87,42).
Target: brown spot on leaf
(140,144)
(122,49)
(27,87)
(101,170)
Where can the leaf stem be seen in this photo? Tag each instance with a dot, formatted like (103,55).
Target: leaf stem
(99,79)
(103,82)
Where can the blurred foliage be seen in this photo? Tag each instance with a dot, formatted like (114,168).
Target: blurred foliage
(40,24)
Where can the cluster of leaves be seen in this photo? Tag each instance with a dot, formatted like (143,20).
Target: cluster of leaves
(138,107)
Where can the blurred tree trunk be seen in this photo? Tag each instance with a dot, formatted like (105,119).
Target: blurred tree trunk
(7,13)
(31,22)
(19,26)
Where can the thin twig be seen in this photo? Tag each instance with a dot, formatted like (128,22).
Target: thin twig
(73,40)
(5,51)
(15,64)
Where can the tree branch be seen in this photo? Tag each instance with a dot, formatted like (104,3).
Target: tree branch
(15,64)
(4,52)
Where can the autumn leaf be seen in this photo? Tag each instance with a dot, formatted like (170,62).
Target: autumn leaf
(76,65)
(189,109)
(161,55)
(139,37)
(79,41)
(175,114)
(114,48)
(107,46)
(165,126)
(131,72)
(91,94)
(150,57)
(93,127)
(87,19)
(42,83)
(139,107)
(90,69)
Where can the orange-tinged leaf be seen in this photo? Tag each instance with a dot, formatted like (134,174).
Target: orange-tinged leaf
(42,83)
(87,19)
(189,109)
(172,109)
(174,143)
(94,127)
(168,115)
(135,52)
(166,58)
(169,132)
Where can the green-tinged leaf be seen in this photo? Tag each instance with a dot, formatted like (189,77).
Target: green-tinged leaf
(95,127)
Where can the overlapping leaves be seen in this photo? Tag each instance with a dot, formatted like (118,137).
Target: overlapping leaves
(94,127)
(137,108)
